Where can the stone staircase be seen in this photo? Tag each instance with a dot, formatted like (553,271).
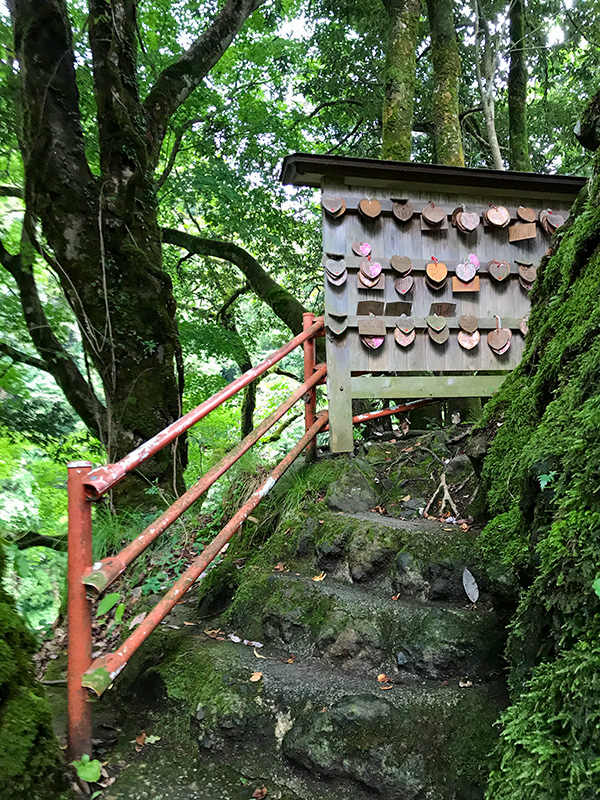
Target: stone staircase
(376,678)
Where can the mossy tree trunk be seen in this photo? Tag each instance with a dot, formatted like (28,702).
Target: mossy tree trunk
(540,481)
(399,77)
(101,233)
(517,90)
(446,79)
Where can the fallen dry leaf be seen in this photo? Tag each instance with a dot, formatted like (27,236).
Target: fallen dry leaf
(256,676)
(405,499)
(258,655)
(290,660)
(140,741)
(464,683)
(214,633)
(408,449)
(137,620)
(387,686)
(396,596)
(252,519)
(279,567)
(188,623)
(383,678)
(320,577)
(258,794)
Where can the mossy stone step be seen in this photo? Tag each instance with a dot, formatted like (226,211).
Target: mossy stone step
(304,729)
(359,629)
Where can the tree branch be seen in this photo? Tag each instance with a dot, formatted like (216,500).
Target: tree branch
(175,83)
(11,191)
(57,360)
(21,358)
(284,304)
(176,148)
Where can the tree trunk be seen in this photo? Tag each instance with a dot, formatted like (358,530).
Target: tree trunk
(446,79)
(103,231)
(517,90)
(399,77)
(485,66)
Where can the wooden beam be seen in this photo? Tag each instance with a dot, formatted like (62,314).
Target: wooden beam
(418,386)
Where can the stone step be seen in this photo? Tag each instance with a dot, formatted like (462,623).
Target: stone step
(360,629)
(302,730)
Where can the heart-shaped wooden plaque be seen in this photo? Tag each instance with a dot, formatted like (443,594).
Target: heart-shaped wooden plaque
(468,323)
(436,322)
(437,271)
(498,338)
(468,340)
(527,273)
(401,264)
(332,205)
(498,216)
(526,214)
(361,249)
(370,269)
(403,212)
(405,324)
(434,215)
(370,209)
(404,339)
(555,221)
(404,285)
(465,271)
(469,220)
(499,270)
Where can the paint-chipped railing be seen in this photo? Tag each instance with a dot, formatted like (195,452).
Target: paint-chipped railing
(85,485)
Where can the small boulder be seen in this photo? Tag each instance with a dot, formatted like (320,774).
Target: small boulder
(351,493)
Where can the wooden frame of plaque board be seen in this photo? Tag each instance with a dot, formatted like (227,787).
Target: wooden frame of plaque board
(424,369)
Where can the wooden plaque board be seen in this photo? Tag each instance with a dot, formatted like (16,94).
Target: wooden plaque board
(426,369)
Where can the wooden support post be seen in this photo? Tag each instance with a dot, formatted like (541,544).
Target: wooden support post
(79,657)
(310,403)
(339,393)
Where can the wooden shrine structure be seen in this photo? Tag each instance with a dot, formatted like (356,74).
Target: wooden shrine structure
(427,273)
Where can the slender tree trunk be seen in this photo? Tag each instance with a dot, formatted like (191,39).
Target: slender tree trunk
(517,90)
(485,65)
(399,77)
(446,79)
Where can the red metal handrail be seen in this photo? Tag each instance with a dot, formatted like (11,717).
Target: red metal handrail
(86,484)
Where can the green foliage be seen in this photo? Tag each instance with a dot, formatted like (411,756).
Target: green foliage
(87,769)
(108,602)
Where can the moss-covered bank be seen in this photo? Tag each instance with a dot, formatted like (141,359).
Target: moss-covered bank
(542,479)
(30,767)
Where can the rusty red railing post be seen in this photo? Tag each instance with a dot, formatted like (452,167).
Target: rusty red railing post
(79,713)
(310,404)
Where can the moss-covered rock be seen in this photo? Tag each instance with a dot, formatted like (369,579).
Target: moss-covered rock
(540,481)
(30,764)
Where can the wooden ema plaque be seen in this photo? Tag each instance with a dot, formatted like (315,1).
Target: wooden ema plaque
(442,364)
